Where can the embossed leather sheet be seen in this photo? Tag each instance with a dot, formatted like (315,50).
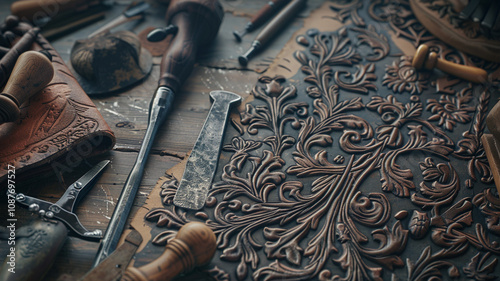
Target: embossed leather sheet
(350,165)
(58,127)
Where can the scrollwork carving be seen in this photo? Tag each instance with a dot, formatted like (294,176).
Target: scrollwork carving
(333,180)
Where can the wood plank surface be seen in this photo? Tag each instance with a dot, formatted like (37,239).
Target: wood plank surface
(126,114)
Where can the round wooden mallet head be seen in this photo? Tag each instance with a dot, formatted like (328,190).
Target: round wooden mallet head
(32,72)
(194,245)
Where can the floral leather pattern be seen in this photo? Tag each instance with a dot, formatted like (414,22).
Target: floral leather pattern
(358,167)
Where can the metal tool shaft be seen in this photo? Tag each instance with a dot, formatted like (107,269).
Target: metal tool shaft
(159,108)
(272,28)
(202,163)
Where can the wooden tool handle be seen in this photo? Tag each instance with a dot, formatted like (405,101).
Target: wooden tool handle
(32,72)
(193,246)
(280,20)
(424,58)
(266,12)
(198,22)
(35,10)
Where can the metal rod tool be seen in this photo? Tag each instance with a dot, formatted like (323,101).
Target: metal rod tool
(261,17)
(198,22)
(267,34)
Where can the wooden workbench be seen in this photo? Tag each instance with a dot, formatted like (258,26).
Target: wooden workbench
(126,114)
(345,163)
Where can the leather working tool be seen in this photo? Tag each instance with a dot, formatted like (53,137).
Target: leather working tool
(261,17)
(193,246)
(38,243)
(135,12)
(202,163)
(198,23)
(425,59)
(32,72)
(9,60)
(267,34)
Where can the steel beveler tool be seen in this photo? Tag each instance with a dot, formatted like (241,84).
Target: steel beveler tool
(198,23)
(38,243)
(202,163)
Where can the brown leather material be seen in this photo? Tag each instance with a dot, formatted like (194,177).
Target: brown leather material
(57,125)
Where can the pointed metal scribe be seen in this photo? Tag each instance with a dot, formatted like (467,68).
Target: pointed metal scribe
(202,163)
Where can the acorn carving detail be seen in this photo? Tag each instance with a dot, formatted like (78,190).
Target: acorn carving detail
(419,224)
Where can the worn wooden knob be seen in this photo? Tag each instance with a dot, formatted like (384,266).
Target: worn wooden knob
(32,72)
(193,246)
(424,58)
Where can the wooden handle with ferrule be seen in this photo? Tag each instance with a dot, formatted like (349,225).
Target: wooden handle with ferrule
(32,72)
(198,22)
(193,246)
(426,59)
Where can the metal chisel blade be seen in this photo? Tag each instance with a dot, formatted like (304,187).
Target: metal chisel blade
(202,163)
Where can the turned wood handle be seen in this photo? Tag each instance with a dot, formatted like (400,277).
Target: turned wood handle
(266,12)
(198,22)
(424,58)
(193,246)
(35,10)
(32,72)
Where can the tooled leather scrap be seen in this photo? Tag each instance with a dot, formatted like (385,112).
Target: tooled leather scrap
(349,164)
(57,126)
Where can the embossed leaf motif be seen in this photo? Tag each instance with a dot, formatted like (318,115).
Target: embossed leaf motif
(402,77)
(444,188)
(376,40)
(470,147)
(450,110)
(349,9)
(284,247)
(477,268)
(489,204)
(361,81)
(395,179)
(166,218)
